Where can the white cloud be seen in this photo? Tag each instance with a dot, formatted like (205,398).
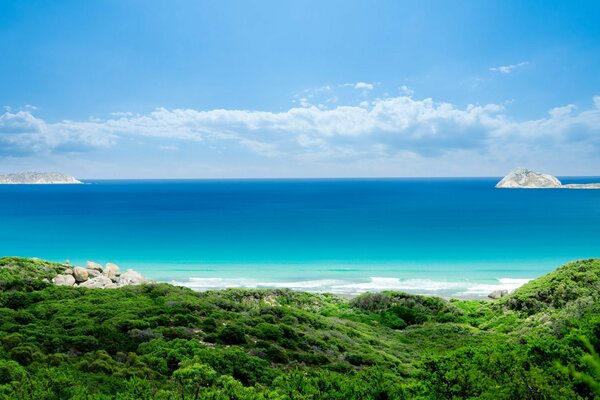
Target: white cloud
(363,86)
(507,69)
(359,85)
(167,147)
(383,131)
(20,122)
(406,90)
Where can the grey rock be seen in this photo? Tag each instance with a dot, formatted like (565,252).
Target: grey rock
(80,274)
(37,178)
(93,265)
(98,282)
(68,271)
(130,277)
(496,294)
(92,273)
(111,270)
(582,186)
(63,280)
(522,178)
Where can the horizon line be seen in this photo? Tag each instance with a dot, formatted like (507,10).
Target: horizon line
(318,178)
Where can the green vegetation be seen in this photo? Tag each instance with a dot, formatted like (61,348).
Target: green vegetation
(157,341)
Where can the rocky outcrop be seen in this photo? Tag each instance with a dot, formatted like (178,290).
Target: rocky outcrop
(99,282)
(582,186)
(111,270)
(130,277)
(92,273)
(38,178)
(522,178)
(93,265)
(496,294)
(94,276)
(81,274)
(64,280)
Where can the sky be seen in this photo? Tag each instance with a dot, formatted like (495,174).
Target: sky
(288,89)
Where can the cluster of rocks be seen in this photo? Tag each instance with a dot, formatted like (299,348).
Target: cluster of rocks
(97,277)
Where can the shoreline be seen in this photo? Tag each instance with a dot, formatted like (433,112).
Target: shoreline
(464,290)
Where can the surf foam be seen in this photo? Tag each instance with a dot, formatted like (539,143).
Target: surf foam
(417,286)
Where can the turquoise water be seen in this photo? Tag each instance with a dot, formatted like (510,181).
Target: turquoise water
(457,237)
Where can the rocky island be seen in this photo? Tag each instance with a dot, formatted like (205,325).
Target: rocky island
(522,178)
(38,178)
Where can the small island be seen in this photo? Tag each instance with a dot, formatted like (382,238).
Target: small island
(37,178)
(522,178)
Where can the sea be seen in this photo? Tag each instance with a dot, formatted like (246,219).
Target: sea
(451,237)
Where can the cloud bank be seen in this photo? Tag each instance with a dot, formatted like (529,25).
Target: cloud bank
(388,130)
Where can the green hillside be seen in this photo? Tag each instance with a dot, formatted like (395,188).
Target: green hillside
(158,341)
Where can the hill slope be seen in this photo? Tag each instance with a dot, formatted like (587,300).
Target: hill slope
(157,341)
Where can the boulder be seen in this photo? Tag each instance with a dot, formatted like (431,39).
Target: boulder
(63,280)
(98,282)
(130,277)
(68,271)
(111,270)
(92,273)
(93,265)
(522,178)
(80,274)
(496,294)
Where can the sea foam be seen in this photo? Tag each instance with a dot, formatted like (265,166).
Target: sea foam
(417,286)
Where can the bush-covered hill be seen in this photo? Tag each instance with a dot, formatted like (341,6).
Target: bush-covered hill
(157,341)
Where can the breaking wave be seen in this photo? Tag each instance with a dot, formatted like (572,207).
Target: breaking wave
(417,286)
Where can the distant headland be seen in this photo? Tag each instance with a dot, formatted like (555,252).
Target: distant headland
(522,178)
(38,178)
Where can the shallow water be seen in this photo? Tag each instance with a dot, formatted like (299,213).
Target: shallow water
(451,237)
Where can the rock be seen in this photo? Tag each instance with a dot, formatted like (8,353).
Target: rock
(99,282)
(111,270)
(80,274)
(130,277)
(68,271)
(582,186)
(63,280)
(496,294)
(526,179)
(67,263)
(92,273)
(37,178)
(93,265)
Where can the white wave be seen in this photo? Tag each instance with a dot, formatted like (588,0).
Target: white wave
(509,284)
(422,286)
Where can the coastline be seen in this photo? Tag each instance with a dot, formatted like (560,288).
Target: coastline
(465,289)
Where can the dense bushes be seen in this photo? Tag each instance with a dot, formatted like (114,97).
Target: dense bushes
(157,341)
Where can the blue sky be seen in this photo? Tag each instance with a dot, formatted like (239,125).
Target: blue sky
(207,89)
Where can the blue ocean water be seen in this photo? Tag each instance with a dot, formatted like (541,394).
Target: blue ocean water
(452,237)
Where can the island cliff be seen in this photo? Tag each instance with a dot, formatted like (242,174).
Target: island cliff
(38,178)
(522,178)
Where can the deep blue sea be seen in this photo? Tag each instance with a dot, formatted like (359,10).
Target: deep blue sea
(450,237)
